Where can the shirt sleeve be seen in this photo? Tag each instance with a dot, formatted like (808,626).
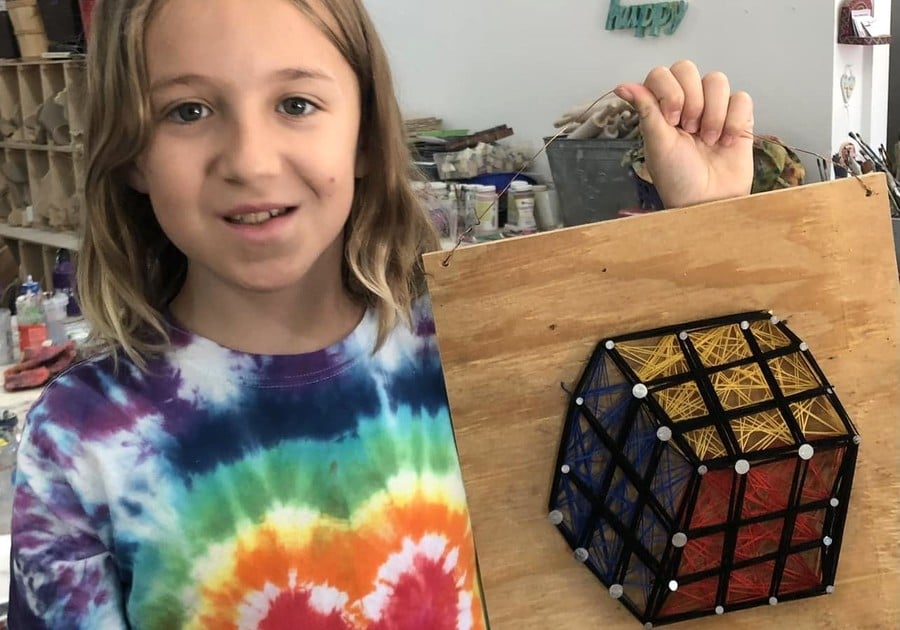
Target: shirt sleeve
(63,575)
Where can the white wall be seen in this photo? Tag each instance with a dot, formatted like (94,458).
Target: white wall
(479,63)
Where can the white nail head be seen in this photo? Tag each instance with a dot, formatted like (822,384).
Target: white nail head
(648,626)
(806,452)
(773,601)
(702,469)
(610,344)
(804,346)
(616,591)
(829,589)
(555,517)
(673,585)
(827,541)
(857,440)
(742,466)
(834,502)
(579,401)
(640,391)
(683,336)
(745,325)
(679,540)
(664,434)
(720,610)
(581,554)
(830,390)
(565,469)
(774,319)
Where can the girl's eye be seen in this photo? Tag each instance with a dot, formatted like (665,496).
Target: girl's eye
(188,113)
(296,106)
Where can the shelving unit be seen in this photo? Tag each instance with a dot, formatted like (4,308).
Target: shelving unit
(41,161)
(847,34)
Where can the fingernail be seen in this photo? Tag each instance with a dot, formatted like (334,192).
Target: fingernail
(726,140)
(673,118)
(691,126)
(710,138)
(624,93)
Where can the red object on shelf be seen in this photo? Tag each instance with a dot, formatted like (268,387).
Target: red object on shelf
(87,7)
(846,32)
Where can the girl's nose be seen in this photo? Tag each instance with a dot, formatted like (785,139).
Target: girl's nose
(249,150)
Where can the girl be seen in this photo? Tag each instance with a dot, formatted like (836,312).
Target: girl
(266,441)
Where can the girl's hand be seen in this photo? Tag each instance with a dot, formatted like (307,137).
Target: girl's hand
(697,134)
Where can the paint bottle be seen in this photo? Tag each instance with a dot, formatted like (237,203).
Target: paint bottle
(486,211)
(6,337)
(64,280)
(546,208)
(466,208)
(30,318)
(520,216)
(442,208)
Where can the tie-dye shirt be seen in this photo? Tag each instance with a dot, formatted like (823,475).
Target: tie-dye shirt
(228,490)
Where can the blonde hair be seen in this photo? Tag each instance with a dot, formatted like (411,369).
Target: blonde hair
(129,270)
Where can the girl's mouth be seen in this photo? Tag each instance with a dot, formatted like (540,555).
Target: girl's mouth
(258,218)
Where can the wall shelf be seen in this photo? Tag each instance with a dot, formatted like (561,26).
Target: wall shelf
(61,148)
(59,240)
(865,41)
(41,161)
(846,31)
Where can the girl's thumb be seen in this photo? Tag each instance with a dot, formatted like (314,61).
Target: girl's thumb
(645,104)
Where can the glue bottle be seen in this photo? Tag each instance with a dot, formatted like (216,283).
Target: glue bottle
(30,318)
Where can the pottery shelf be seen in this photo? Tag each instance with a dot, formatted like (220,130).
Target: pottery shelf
(41,160)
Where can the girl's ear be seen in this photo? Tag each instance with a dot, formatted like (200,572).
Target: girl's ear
(136,178)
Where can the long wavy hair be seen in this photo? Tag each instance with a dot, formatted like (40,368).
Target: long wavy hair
(129,270)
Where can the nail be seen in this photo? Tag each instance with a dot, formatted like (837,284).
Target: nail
(710,137)
(624,93)
(691,126)
(726,140)
(673,118)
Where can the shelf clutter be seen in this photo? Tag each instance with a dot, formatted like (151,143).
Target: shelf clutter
(42,87)
(857,25)
(41,160)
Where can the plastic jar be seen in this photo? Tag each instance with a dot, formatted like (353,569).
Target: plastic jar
(546,208)
(442,210)
(30,318)
(55,313)
(486,211)
(520,211)
(6,337)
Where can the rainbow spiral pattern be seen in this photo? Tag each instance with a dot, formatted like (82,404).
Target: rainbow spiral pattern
(225,490)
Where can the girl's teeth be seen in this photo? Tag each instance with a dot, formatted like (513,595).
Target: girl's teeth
(257,217)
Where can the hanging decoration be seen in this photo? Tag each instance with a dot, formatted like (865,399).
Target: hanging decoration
(652,18)
(848,83)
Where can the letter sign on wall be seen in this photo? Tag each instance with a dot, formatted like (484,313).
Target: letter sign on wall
(652,19)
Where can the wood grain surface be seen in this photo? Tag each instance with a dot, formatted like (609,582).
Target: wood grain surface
(515,318)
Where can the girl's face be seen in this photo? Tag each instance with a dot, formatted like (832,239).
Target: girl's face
(253,155)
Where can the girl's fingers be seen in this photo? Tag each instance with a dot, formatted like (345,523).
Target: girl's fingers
(647,106)
(739,120)
(664,86)
(716,99)
(688,77)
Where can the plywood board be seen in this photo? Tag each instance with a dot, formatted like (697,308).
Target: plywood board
(516,318)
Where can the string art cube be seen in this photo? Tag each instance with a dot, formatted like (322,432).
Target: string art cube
(705,468)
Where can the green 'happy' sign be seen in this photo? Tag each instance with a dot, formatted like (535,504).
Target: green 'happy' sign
(655,18)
